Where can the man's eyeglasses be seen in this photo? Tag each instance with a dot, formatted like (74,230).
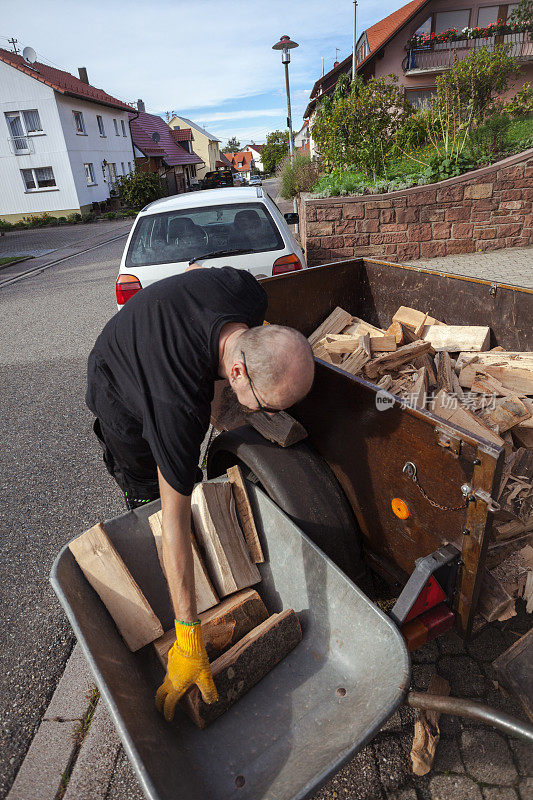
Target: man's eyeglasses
(258,401)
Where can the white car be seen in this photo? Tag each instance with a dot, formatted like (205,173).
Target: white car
(236,227)
(255,180)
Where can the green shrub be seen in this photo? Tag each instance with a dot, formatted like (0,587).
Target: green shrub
(73,218)
(297,176)
(91,216)
(413,134)
(140,188)
(6,226)
(38,220)
(490,139)
(521,105)
(61,220)
(110,215)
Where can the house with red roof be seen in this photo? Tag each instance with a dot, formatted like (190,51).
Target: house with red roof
(255,150)
(64,144)
(159,148)
(242,162)
(413,44)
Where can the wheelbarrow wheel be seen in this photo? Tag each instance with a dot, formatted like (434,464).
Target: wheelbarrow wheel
(301,483)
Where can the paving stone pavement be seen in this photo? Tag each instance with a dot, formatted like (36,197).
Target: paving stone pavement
(41,241)
(513,265)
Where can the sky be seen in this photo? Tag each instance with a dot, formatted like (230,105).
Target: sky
(211,62)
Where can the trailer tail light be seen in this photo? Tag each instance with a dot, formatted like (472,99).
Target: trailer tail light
(428,626)
(126,287)
(286,264)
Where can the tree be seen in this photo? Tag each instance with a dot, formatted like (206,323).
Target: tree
(275,150)
(233,145)
(523,13)
(141,188)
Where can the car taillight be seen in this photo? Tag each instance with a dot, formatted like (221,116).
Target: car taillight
(126,287)
(286,264)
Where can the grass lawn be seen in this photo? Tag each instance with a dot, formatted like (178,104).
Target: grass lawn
(405,171)
(13,260)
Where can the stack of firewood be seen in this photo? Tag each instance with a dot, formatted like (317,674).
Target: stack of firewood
(448,370)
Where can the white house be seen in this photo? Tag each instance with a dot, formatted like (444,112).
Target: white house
(64,141)
(255,150)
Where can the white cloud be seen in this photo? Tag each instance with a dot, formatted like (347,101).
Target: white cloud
(250,113)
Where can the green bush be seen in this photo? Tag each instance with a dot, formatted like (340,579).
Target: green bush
(489,140)
(39,220)
(110,215)
(6,226)
(73,218)
(61,220)
(140,188)
(521,105)
(91,216)
(297,176)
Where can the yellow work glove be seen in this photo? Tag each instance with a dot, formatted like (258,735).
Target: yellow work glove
(187,664)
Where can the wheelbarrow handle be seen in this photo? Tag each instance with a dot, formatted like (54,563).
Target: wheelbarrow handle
(461,707)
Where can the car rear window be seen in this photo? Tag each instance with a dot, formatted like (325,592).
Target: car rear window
(193,232)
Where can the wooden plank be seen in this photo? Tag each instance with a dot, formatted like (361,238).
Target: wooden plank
(341,344)
(507,413)
(420,389)
(388,361)
(455,338)
(355,362)
(240,668)
(511,358)
(110,578)
(360,326)
(245,514)
(364,344)
(220,538)
(395,329)
(223,625)
(519,380)
(280,428)
(412,318)
(448,407)
(485,383)
(494,602)
(427,732)
(514,669)
(444,372)
(383,344)
(206,597)
(334,323)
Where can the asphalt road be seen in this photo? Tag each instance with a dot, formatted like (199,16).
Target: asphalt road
(53,484)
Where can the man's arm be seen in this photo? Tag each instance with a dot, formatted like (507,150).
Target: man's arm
(177,550)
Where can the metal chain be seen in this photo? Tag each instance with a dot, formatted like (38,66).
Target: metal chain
(438,505)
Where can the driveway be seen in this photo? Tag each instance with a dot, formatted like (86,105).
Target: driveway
(41,241)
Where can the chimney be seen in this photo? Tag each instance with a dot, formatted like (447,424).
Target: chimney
(140,106)
(82,72)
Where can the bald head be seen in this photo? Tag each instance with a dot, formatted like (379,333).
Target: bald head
(280,363)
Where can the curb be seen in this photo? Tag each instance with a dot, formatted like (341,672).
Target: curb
(55,750)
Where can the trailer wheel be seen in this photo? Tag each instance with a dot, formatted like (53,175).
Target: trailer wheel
(301,484)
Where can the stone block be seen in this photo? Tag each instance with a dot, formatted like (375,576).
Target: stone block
(528,172)
(332,241)
(408,252)
(511,194)
(523,754)
(376,238)
(394,238)
(454,247)
(509,229)
(430,214)
(451,194)
(420,233)
(328,213)
(479,216)
(485,246)
(353,210)
(319,228)
(345,226)
(364,251)
(393,764)
(483,205)
(448,757)
(400,201)
(485,233)
(526,789)
(432,249)
(517,241)
(387,216)
(453,787)
(389,249)
(488,758)
(370,226)
(512,173)
(357,780)
(512,205)
(392,227)
(357,241)
(427,654)
(124,783)
(477,191)
(441,230)
(499,793)
(451,644)
(372,213)
(463,674)
(462,230)
(406,215)
(310,213)
(405,793)
(378,204)
(457,214)
(421,676)
(49,756)
(423,198)
(70,699)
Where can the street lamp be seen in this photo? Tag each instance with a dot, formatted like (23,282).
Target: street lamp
(285,44)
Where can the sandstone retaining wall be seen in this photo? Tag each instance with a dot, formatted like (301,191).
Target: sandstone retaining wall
(487,209)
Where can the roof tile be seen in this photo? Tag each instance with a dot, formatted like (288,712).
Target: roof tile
(142,129)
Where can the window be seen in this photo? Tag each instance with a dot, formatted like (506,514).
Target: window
(418,98)
(116,128)
(22,124)
(112,172)
(89,174)
(39,178)
(79,123)
(181,235)
(451,19)
(100,122)
(123,127)
(122,167)
(32,121)
(129,166)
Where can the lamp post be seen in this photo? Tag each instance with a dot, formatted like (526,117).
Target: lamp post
(285,44)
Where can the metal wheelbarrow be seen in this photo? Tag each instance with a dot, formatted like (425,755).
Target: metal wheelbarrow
(294,729)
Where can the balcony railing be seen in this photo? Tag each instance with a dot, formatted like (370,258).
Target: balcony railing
(21,145)
(443,55)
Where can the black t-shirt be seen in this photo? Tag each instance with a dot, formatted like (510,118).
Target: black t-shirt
(153,367)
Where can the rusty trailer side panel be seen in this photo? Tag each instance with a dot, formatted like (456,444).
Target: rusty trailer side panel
(367,448)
